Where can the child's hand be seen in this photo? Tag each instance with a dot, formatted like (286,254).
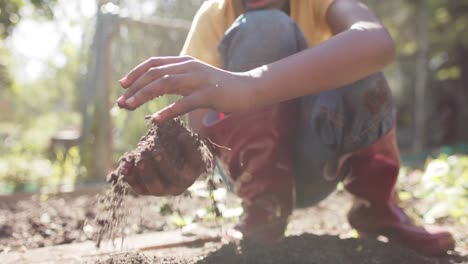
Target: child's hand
(201,85)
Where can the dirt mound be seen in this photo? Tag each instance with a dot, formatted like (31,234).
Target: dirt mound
(308,248)
(133,258)
(169,152)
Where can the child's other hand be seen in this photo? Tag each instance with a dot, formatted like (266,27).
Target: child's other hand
(201,85)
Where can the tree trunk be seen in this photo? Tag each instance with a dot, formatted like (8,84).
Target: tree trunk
(97,126)
(420,108)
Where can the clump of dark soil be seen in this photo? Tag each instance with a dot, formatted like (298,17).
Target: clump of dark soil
(169,152)
(308,248)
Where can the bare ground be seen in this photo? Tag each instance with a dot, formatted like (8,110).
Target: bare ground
(45,221)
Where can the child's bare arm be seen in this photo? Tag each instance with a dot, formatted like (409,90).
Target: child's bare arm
(360,47)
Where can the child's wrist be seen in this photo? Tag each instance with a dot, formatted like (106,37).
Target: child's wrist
(255,86)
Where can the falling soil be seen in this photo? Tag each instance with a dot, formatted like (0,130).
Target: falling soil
(111,217)
(169,151)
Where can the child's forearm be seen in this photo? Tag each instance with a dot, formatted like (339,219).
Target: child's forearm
(347,57)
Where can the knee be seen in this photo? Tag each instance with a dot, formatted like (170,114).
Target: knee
(260,37)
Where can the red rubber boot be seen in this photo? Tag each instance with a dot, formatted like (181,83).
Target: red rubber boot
(254,153)
(374,171)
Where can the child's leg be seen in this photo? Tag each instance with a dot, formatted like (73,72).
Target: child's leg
(374,172)
(338,121)
(256,147)
(348,133)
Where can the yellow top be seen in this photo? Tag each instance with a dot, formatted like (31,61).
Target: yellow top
(215,16)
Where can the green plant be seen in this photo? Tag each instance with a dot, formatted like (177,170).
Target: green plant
(442,188)
(26,171)
(26,163)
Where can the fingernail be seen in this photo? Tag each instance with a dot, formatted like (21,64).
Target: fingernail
(130,101)
(121,102)
(156,118)
(123,80)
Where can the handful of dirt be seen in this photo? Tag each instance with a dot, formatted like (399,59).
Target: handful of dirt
(167,160)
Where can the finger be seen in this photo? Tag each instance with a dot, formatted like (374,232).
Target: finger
(180,84)
(155,74)
(148,71)
(136,72)
(182,106)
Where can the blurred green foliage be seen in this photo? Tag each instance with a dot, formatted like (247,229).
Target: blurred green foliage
(27,162)
(10,14)
(441,188)
(24,171)
(446,94)
(32,112)
(445,187)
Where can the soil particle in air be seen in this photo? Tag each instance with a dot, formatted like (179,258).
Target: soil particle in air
(110,220)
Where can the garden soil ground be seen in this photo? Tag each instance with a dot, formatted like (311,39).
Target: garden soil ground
(45,221)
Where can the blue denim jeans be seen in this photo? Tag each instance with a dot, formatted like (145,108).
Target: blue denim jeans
(332,124)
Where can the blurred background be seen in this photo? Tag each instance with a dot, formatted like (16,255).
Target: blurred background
(60,62)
